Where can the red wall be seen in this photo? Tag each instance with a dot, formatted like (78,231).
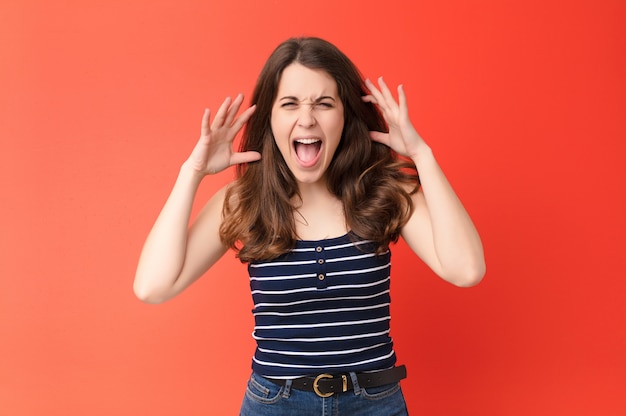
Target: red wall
(523,102)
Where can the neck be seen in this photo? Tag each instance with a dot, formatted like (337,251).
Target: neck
(319,213)
(310,193)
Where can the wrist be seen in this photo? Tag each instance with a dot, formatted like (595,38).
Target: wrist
(188,172)
(424,154)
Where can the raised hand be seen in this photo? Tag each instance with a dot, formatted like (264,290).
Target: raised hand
(214,150)
(402,136)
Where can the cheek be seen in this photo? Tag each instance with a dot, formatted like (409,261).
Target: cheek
(273,125)
(281,126)
(280,136)
(334,134)
(341,126)
(337,125)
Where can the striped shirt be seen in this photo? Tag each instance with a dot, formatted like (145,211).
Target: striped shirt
(322,308)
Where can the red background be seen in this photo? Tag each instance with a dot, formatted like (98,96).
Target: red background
(523,103)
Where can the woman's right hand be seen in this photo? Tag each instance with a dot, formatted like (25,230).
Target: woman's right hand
(214,151)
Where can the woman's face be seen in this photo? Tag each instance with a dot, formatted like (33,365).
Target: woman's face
(307,121)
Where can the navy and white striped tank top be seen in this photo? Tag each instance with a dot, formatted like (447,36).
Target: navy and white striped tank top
(322,308)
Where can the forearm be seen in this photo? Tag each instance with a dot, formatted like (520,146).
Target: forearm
(439,230)
(163,254)
(455,239)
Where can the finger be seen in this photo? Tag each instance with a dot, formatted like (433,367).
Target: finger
(233,109)
(221,113)
(389,99)
(244,117)
(383,97)
(377,97)
(402,100)
(374,92)
(380,137)
(244,157)
(205,130)
(369,99)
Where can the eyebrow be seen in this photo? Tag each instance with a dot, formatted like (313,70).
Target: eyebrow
(317,100)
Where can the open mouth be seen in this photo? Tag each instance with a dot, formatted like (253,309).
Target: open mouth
(307,150)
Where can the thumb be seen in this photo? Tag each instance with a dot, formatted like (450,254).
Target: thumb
(380,137)
(244,157)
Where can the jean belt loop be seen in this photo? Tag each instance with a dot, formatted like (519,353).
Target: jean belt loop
(355,383)
(287,389)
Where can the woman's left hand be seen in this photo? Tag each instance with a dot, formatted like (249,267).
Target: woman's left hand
(402,136)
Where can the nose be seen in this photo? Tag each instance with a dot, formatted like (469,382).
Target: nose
(306,116)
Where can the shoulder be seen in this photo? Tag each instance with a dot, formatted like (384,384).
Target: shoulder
(230,194)
(216,204)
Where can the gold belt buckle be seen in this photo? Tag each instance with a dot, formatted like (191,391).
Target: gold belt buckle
(316,388)
(344,385)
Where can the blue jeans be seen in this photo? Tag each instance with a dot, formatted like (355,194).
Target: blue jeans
(264,398)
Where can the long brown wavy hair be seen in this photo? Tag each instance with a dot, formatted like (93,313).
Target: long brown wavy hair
(369,179)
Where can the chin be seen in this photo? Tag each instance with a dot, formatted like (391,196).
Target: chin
(309,178)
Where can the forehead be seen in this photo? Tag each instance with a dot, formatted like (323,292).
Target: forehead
(305,83)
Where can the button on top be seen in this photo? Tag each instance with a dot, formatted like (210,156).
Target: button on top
(318,249)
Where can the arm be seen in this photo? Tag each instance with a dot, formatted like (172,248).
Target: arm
(439,230)
(174,255)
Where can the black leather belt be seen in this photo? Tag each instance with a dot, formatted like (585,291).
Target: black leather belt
(325,385)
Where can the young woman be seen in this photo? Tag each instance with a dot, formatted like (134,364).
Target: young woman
(326,181)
